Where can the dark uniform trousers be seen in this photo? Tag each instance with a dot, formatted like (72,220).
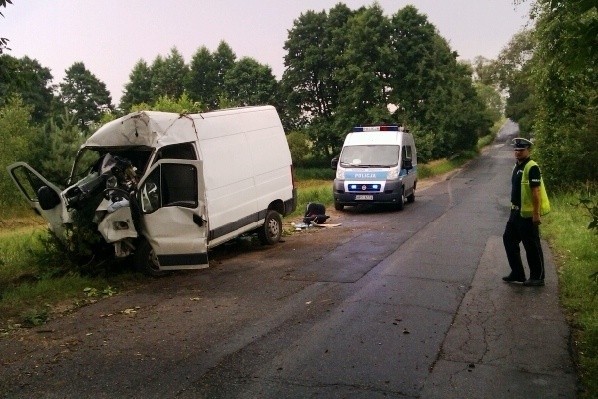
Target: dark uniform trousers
(520,229)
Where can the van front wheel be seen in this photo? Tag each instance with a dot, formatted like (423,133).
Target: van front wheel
(401,200)
(271,232)
(146,260)
(411,197)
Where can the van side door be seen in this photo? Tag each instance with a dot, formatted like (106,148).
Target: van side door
(174,214)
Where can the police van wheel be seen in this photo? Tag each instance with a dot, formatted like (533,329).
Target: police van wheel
(411,197)
(271,232)
(339,207)
(401,202)
(146,260)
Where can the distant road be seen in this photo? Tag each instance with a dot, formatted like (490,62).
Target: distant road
(509,130)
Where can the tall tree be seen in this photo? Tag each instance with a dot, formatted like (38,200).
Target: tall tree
(84,95)
(431,89)
(315,48)
(363,76)
(348,67)
(250,83)
(65,139)
(225,59)
(139,88)
(169,75)
(31,81)
(202,84)
(564,75)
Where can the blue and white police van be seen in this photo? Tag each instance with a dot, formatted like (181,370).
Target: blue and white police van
(377,165)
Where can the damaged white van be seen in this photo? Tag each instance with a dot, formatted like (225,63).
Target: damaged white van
(167,187)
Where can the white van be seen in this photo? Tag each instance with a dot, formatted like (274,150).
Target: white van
(377,165)
(167,187)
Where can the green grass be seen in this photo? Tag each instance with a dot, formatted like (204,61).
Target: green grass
(443,165)
(576,254)
(29,294)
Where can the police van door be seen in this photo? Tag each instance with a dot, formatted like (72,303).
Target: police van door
(173,212)
(407,170)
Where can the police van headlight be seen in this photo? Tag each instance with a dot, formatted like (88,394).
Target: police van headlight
(340,174)
(393,174)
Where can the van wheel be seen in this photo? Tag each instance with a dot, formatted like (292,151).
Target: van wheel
(339,207)
(146,260)
(401,204)
(411,197)
(271,231)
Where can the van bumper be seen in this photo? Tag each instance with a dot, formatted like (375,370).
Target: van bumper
(390,195)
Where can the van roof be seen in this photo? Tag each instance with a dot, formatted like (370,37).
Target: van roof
(378,138)
(156,129)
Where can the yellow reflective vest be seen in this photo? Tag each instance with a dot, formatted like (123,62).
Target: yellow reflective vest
(527,206)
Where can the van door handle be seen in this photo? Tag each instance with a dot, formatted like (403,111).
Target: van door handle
(197,220)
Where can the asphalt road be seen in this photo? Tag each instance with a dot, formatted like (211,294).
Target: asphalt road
(388,305)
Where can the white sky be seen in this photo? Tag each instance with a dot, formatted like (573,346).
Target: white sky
(110,36)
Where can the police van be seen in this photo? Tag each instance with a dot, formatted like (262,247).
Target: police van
(166,187)
(377,165)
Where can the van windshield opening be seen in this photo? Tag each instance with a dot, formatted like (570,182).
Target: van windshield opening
(370,156)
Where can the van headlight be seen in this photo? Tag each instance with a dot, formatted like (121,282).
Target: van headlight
(340,174)
(393,174)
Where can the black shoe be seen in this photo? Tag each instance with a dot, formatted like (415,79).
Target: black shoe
(533,283)
(511,279)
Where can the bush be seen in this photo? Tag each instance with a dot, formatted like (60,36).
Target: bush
(299,146)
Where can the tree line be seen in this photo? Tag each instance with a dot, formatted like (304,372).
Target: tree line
(550,73)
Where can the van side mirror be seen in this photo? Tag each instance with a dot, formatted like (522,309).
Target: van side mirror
(407,164)
(334,163)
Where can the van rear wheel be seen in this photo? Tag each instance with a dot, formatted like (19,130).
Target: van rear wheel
(146,260)
(271,232)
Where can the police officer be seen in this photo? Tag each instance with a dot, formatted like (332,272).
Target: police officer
(528,202)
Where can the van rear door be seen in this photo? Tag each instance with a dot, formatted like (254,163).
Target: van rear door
(173,214)
(43,196)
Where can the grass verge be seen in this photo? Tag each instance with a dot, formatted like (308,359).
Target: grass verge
(30,294)
(575,248)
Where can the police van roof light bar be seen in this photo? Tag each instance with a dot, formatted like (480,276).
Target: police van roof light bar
(383,128)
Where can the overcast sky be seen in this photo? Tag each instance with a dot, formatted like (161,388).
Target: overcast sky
(110,36)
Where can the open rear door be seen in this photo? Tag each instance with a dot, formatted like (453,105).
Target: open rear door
(173,214)
(32,185)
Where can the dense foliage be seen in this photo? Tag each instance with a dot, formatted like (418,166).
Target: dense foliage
(346,68)
(565,73)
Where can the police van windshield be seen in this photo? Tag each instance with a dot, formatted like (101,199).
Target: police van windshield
(369,156)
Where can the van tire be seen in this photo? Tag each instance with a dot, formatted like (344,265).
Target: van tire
(411,197)
(339,207)
(271,232)
(146,261)
(401,203)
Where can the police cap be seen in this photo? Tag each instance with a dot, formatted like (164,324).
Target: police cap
(520,143)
